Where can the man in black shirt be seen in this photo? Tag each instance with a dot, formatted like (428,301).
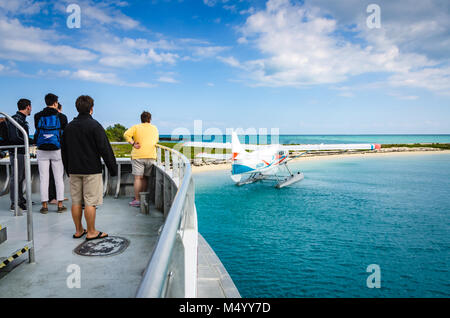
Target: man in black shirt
(15,137)
(84,144)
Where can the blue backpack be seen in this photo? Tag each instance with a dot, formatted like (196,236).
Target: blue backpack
(49,131)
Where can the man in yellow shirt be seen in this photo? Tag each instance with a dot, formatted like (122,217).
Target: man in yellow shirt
(143,138)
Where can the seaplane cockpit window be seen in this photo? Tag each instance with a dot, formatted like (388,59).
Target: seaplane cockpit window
(281,153)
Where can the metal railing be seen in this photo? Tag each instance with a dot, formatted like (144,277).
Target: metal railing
(172,269)
(30,235)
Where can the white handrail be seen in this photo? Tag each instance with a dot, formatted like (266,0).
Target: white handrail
(161,274)
(164,275)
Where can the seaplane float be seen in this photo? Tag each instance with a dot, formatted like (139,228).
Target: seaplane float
(266,162)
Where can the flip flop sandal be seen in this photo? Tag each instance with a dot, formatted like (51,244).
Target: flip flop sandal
(99,236)
(77,237)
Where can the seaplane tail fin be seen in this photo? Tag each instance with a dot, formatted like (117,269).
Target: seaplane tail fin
(236,146)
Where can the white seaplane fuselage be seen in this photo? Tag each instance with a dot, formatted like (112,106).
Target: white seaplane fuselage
(265,161)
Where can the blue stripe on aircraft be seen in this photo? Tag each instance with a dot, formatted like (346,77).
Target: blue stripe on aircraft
(238,169)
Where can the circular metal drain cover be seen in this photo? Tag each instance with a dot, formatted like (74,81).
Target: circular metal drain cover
(108,246)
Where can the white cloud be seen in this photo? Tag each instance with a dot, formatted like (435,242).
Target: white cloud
(136,60)
(207,51)
(301,46)
(167,79)
(414,26)
(102,77)
(250,10)
(95,14)
(346,94)
(404,97)
(128,52)
(25,7)
(210,3)
(91,76)
(231,8)
(97,46)
(21,43)
(54,73)
(433,79)
(230,60)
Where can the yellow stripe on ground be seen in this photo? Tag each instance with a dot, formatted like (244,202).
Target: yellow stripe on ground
(11,258)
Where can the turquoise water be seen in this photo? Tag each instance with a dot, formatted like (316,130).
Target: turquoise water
(326,139)
(316,238)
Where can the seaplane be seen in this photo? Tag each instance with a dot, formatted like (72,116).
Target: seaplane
(266,162)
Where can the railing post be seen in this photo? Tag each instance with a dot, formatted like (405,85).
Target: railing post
(30,231)
(159,190)
(166,160)
(167,195)
(119,179)
(181,171)
(158,156)
(7,181)
(105,182)
(16,183)
(176,169)
(152,183)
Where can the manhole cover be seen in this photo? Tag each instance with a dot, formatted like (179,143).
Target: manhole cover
(111,245)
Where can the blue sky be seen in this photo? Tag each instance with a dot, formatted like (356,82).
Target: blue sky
(304,67)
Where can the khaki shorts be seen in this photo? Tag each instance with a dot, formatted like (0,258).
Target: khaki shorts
(87,189)
(142,167)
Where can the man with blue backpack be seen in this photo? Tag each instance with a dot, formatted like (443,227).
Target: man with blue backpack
(50,124)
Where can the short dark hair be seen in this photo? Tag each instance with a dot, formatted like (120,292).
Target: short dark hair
(23,103)
(146,117)
(84,104)
(59,106)
(50,99)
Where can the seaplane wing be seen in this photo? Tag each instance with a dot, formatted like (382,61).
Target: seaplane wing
(218,156)
(330,147)
(313,147)
(218,145)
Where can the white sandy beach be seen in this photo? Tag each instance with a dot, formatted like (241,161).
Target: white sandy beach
(227,166)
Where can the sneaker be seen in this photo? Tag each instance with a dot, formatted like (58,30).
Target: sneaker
(62,209)
(21,206)
(135,203)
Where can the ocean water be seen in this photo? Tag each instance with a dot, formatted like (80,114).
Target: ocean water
(326,139)
(317,237)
